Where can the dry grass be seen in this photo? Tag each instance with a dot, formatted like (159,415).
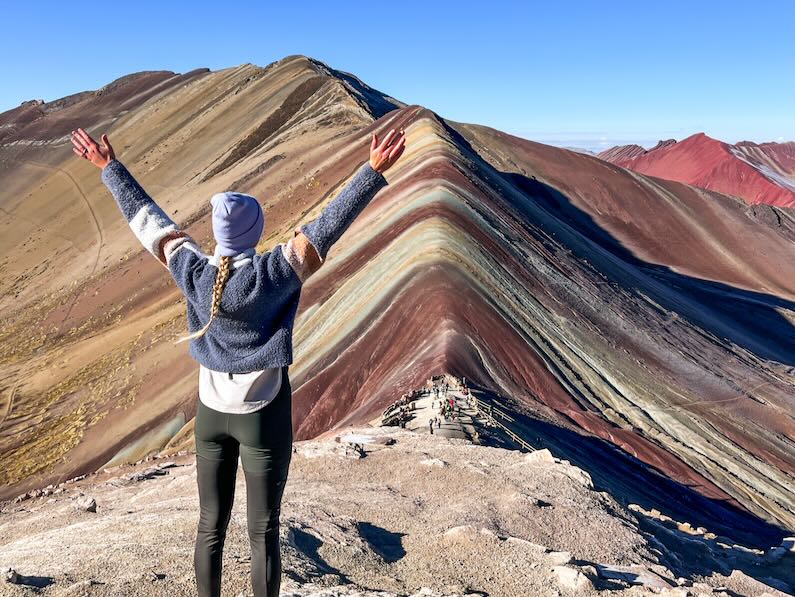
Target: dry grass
(41,427)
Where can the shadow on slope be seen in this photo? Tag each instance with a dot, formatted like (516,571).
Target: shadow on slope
(631,481)
(746,318)
(755,324)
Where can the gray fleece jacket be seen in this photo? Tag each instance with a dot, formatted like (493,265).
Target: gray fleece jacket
(253,328)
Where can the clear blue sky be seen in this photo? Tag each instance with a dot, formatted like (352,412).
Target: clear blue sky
(587,73)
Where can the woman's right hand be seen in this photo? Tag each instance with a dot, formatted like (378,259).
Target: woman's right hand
(386,153)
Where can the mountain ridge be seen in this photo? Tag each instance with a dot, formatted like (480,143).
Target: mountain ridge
(645,320)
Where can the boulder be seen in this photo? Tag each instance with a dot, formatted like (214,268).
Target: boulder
(543,456)
(577,474)
(559,558)
(86,503)
(571,578)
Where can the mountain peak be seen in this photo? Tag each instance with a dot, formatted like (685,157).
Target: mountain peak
(755,173)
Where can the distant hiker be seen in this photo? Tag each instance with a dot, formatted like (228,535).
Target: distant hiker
(245,396)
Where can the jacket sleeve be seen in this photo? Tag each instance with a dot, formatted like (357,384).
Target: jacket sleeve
(299,253)
(158,233)
(306,251)
(339,214)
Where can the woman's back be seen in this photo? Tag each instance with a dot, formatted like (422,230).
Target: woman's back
(252,328)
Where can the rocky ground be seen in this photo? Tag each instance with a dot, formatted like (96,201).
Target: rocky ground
(374,511)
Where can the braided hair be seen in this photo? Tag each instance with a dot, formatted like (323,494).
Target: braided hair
(218,287)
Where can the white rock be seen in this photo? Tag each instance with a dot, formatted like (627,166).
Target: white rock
(571,578)
(87,503)
(577,474)
(559,558)
(543,456)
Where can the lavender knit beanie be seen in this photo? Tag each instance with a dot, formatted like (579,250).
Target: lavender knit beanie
(238,222)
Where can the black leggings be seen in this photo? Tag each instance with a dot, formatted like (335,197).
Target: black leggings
(263,441)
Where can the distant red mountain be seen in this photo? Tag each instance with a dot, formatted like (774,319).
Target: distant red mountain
(757,173)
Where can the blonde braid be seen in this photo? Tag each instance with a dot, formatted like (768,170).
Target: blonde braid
(218,287)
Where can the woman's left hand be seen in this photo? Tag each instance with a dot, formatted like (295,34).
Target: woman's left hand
(86,147)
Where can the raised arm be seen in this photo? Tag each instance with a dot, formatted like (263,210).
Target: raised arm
(321,233)
(340,213)
(150,224)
